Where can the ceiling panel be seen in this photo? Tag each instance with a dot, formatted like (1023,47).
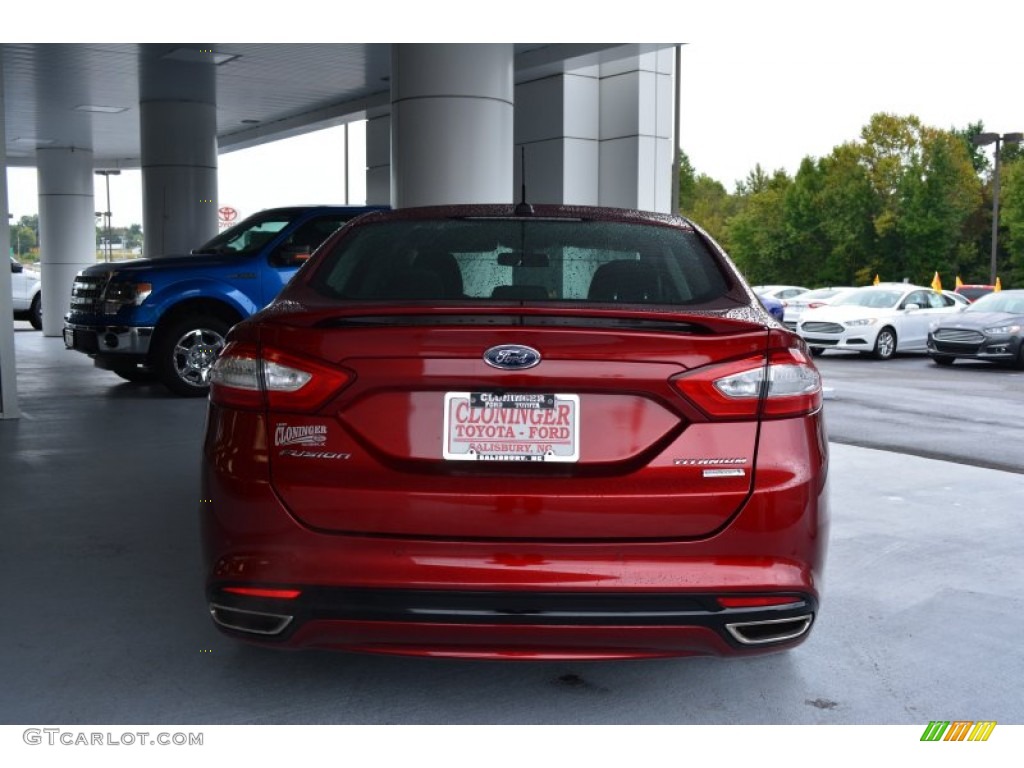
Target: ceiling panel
(267,91)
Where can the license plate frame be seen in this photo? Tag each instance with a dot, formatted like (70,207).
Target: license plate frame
(511,426)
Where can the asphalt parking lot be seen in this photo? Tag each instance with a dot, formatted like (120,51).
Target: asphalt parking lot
(105,621)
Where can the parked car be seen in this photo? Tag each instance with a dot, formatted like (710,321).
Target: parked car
(961,301)
(774,306)
(818,297)
(515,432)
(26,294)
(780,292)
(974,292)
(876,320)
(166,318)
(992,328)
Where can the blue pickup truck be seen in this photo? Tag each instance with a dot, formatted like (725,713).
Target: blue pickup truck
(167,318)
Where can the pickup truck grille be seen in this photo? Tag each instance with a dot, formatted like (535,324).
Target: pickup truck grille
(86,292)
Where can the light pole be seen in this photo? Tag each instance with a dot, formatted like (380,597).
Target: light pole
(981,140)
(106,175)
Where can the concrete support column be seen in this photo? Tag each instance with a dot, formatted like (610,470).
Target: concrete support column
(378,160)
(179,176)
(178,136)
(67,227)
(8,383)
(452,123)
(557,122)
(636,132)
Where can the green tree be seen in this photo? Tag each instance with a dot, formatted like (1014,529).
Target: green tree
(757,234)
(23,234)
(938,193)
(979,159)
(757,181)
(849,208)
(1011,217)
(687,183)
(712,207)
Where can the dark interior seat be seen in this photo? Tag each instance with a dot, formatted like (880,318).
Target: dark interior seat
(625,280)
(446,268)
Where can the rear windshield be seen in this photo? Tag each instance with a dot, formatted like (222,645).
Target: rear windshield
(518,260)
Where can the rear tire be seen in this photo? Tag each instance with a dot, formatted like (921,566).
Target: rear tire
(35,312)
(885,344)
(185,353)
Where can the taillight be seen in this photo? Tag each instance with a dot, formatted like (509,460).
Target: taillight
(789,384)
(244,377)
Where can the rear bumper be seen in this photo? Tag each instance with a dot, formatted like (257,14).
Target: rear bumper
(512,624)
(527,598)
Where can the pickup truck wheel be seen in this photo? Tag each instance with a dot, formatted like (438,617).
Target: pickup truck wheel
(186,351)
(35,315)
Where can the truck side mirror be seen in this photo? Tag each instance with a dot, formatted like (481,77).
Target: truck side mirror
(16,267)
(292,255)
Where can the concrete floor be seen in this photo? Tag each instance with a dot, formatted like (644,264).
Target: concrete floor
(104,621)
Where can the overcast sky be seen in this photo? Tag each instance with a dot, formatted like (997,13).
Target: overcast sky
(761,82)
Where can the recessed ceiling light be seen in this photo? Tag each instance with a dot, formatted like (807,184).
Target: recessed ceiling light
(100,108)
(199,56)
(30,142)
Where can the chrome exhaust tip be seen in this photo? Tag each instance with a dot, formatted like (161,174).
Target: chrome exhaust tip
(770,630)
(251,622)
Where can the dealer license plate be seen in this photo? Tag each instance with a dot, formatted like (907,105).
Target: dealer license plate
(511,426)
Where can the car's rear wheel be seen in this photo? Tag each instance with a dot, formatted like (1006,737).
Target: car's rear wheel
(186,351)
(943,359)
(35,313)
(885,344)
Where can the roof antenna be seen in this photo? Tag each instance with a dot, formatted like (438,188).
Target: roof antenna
(523,208)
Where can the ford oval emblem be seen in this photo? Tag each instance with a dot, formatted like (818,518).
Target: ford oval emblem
(512,357)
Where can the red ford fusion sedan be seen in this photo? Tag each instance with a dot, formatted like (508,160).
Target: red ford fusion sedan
(530,432)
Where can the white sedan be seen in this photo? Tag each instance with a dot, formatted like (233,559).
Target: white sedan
(781,292)
(819,297)
(26,294)
(877,320)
